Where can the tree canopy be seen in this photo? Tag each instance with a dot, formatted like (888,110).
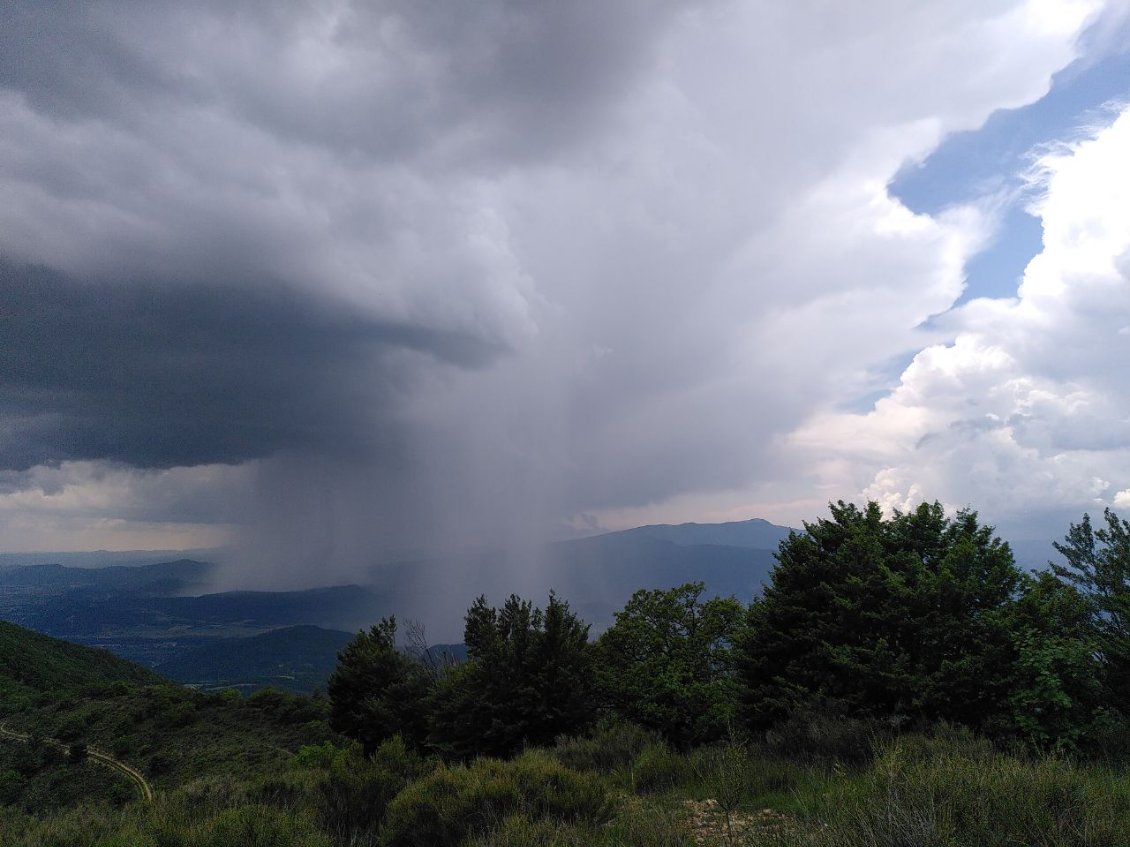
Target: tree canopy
(667,662)
(528,679)
(914,618)
(375,691)
(1097,563)
(864,615)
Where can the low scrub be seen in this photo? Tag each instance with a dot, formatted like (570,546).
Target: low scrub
(611,747)
(952,791)
(354,791)
(452,803)
(659,768)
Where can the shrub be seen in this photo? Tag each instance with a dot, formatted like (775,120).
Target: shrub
(11,786)
(657,768)
(317,755)
(453,803)
(227,696)
(117,688)
(352,796)
(613,746)
(935,792)
(644,826)
(520,831)
(258,826)
(214,792)
(820,738)
(71,729)
(283,790)
(394,756)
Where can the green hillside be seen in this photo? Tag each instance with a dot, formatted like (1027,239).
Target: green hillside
(81,695)
(33,665)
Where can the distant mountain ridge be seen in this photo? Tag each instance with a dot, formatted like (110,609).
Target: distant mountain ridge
(157,613)
(104,558)
(167,577)
(755,533)
(598,574)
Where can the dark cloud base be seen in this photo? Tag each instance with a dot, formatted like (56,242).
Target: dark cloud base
(158,376)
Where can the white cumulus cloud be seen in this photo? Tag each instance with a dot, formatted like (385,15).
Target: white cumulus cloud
(1025,412)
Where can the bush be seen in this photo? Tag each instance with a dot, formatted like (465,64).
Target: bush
(282,790)
(819,738)
(453,803)
(317,755)
(355,791)
(643,826)
(613,746)
(657,768)
(257,826)
(11,786)
(214,792)
(933,791)
(71,729)
(519,831)
(117,688)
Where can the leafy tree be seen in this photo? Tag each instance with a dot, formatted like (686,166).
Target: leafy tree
(376,691)
(667,663)
(528,679)
(1056,691)
(883,617)
(1097,563)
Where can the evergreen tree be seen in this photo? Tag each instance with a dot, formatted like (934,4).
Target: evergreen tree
(1097,563)
(667,663)
(875,617)
(528,678)
(376,691)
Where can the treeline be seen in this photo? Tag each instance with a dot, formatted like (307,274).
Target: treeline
(911,620)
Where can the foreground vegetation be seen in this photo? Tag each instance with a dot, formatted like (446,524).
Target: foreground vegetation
(900,683)
(813,785)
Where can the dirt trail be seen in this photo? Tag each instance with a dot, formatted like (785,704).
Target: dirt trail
(131,773)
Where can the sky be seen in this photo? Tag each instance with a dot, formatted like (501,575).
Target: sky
(323,282)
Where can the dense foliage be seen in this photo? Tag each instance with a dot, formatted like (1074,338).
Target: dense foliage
(376,690)
(667,663)
(906,617)
(1098,566)
(912,619)
(528,679)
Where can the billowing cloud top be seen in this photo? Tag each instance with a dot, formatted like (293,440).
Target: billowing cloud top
(378,274)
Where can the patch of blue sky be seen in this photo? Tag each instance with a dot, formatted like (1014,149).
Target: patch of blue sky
(883,380)
(989,164)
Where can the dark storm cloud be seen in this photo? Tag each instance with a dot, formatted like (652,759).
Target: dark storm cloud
(158,376)
(496,81)
(466,268)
